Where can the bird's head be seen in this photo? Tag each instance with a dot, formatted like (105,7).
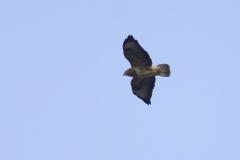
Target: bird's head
(130,72)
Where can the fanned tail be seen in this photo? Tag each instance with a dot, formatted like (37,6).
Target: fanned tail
(164,70)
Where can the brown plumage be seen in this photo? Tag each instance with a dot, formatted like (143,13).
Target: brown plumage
(141,70)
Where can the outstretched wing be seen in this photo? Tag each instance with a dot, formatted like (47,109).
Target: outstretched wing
(135,54)
(143,87)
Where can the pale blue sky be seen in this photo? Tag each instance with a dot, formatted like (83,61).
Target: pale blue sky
(63,96)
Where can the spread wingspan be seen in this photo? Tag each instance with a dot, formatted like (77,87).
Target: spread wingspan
(141,70)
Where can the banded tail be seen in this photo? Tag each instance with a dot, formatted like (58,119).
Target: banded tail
(164,70)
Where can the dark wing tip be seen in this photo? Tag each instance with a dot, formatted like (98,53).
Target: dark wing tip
(147,101)
(130,38)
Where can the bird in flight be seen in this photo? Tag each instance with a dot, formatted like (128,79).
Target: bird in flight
(141,70)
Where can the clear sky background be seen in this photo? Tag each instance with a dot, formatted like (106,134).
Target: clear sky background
(63,96)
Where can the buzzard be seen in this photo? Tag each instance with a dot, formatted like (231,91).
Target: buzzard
(141,70)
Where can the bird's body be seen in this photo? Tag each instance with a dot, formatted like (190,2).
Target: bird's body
(145,71)
(141,70)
